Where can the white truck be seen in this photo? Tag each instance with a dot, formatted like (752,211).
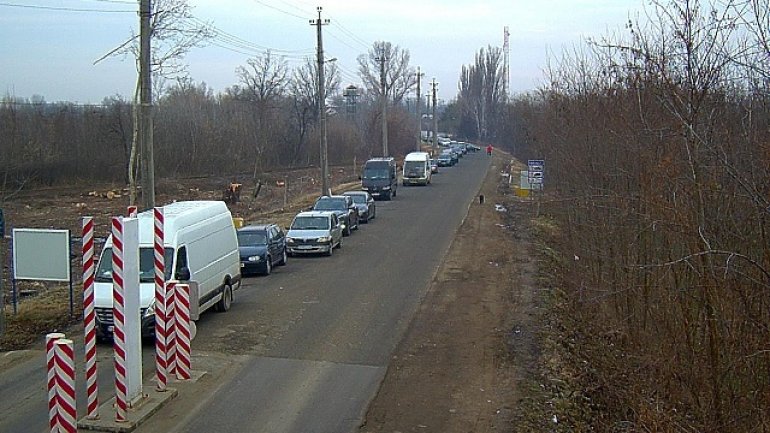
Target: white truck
(417,169)
(201,248)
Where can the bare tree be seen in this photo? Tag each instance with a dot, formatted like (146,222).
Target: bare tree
(481,90)
(304,97)
(174,32)
(263,83)
(400,77)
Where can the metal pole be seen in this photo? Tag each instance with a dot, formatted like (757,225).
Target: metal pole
(435,120)
(384,95)
(322,106)
(145,106)
(419,110)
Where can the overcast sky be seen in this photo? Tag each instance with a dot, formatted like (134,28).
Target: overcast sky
(48,47)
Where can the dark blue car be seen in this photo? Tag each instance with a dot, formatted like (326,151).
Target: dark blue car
(261,247)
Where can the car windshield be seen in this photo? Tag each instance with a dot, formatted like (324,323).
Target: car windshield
(376,173)
(330,204)
(358,198)
(247,238)
(310,223)
(146,265)
(414,166)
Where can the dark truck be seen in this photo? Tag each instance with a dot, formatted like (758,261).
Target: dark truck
(380,178)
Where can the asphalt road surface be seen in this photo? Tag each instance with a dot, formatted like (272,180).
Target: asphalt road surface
(304,349)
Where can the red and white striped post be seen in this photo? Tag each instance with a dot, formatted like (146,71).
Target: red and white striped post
(118,312)
(64,360)
(132,211)
(89,318)
(183,336)
(161,332)
(171,327)
(53,417)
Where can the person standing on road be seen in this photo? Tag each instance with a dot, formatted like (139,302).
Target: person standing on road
(489,149)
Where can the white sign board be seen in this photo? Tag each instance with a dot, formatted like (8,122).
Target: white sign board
(41,254)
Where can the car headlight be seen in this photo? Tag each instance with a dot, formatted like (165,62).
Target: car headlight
(324,239)
(289,240)
(386,187)
(254,258)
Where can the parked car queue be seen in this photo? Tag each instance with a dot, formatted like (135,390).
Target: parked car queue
(320,230)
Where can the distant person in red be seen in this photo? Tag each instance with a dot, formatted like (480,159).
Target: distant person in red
(489,149)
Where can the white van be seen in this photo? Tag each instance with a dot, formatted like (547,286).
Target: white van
(200,247)
(417,169)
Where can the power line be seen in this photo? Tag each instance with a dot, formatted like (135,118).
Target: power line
(64,9)
(280,10)
(352,35)
(238,42)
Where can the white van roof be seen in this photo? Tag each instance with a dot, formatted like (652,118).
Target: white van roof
(417,156)
(176,215)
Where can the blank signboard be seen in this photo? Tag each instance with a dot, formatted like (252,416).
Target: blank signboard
(40,254)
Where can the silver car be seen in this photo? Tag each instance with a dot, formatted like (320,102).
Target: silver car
(314,232)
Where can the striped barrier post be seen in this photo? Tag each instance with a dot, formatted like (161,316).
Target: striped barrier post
(64,360)
(161,332)
(53,418)
(183,337)
(119,320)
(89,318)
(171,327)
(132,211)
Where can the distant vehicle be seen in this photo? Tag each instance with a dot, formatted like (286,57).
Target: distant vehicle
(343,206)
(433,166)
(444,160)
(200,247)
(365,203)
(260,248)
(416,169)
(314,232)
(452,155)
(380,178)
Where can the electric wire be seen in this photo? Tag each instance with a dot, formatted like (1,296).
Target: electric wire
(66,9)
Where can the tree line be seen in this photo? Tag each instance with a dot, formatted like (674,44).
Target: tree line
(657,152)
(267,120)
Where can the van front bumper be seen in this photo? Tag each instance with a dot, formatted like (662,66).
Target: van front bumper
(105,325)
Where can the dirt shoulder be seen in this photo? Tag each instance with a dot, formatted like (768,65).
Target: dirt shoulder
(473,340)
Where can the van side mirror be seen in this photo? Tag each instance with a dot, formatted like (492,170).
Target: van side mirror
(183,274)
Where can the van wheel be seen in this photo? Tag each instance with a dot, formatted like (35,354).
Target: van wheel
(226,302)
(284,258)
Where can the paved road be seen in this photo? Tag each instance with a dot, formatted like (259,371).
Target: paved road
(307,346)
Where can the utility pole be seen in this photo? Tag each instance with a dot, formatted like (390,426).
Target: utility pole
(434,84)
(322,105)
(145,106)
(506,64)
(419,110)
(384,95)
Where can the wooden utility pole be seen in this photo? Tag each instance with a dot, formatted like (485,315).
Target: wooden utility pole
(145,106)
(419,110)
(384,95)
(324,151)
(434,84)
